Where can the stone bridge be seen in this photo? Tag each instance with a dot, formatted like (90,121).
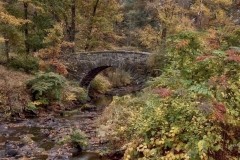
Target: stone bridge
(85,66)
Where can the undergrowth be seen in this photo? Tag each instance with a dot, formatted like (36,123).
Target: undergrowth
(190,111)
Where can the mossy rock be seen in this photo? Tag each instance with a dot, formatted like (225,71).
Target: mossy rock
(88,107)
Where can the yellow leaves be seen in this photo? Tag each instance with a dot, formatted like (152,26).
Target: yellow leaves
(142,147)
(25,1)
(119,17)
(213,13)
(122,129)
(9,19)
(1,7)
(169,12)
(159,142)
(150,37)
(71,97)
(147,152)
(127,157)
(179,146)
(200,145)
(55,34)
(225,2)
(2,40)
(174,131)
(172,156)
(131,146)
(37,103)
(202,149)
(186,24)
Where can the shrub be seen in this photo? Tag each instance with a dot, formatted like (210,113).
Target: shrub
(46,87)
(77,138)
(100,84)
(27,64)
(117,77)
(73,92)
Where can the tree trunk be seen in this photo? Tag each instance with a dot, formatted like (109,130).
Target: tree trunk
(26,27)
(35,28)
(73,30)
(87,47)
(6,49)
(164,33)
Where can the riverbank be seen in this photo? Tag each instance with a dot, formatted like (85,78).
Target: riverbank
(27,135)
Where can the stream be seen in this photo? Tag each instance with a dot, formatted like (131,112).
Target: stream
(38,138)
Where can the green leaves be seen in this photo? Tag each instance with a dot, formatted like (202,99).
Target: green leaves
(200,89)
(46,86)
(219,53)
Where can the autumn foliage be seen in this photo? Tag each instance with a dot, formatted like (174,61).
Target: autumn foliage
(162,92)
(195,114)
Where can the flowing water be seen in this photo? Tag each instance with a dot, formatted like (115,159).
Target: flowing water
(38,137)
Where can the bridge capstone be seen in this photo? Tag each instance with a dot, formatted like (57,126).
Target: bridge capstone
(84,66)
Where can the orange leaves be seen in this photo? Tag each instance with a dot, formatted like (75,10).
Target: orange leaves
(182,44)
(56,65)
(163,92)
(201,58)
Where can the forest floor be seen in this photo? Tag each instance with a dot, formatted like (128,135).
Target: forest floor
(13,93)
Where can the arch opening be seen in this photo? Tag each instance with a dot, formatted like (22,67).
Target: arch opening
(91,75)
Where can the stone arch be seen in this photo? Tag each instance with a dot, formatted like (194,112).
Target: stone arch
(136,70)
(85,66)
(86,80)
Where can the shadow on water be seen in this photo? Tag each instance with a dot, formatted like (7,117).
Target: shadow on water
(87,156)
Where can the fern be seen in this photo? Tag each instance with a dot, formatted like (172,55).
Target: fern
(46,86)
(201,58)
(200,89)
(163,92)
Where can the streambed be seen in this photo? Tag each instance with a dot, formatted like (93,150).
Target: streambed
(38,138)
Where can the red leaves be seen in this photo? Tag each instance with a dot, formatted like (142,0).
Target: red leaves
(201,58)
(214,43)
(163,92)
(219,116)
(233,55)
(220,107)
(219,110)
(219,80)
